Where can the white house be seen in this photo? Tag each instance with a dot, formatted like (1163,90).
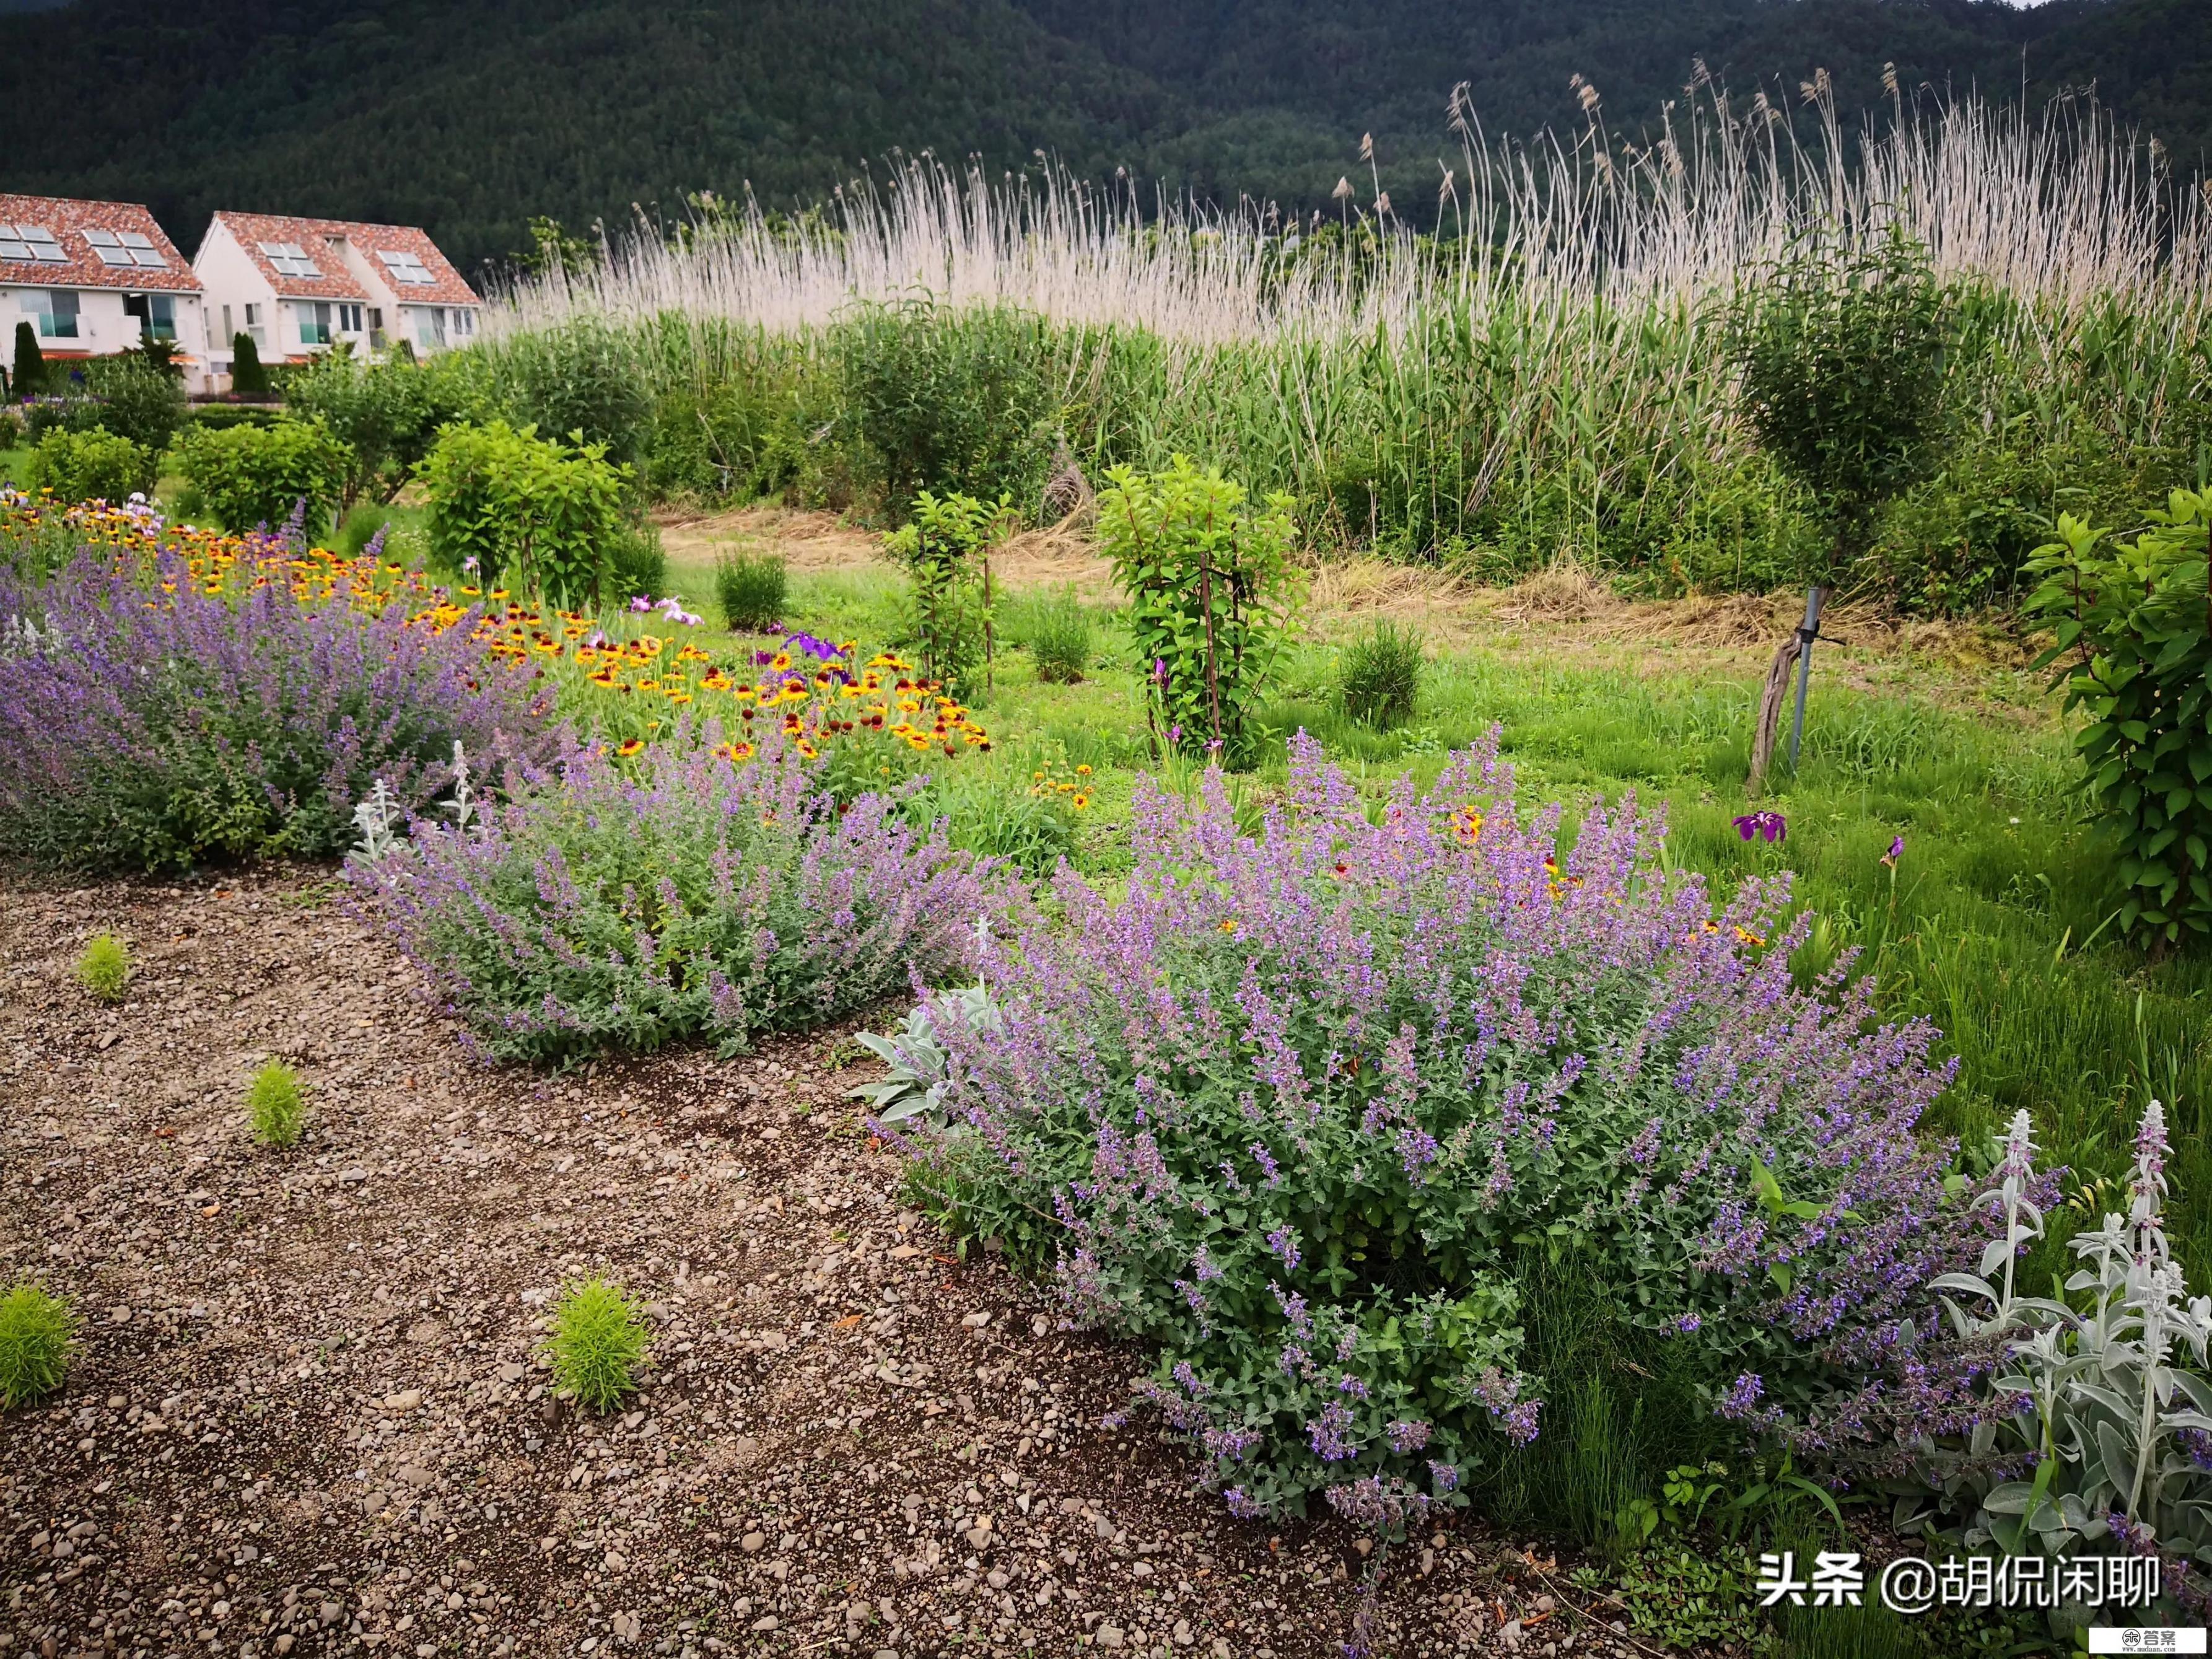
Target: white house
(298,286)
(94,278)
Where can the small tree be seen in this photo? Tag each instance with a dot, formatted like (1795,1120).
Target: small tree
(247,377)
(1842,352)
(947,552)
(30,361)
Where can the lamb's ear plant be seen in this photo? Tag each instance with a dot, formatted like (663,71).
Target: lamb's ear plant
(598,1340)
(276,1105)
(104,969)
(37,1334)
(378,818)
(915,1085)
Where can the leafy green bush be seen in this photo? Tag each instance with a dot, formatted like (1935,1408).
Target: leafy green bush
(1211,595)
(141,397)
(249,475)
(219,417)
(1379,679)
(597,1341)
(387,416)
(2134,631)
(1056,629)
(37,1333)
(276,1105)
(637,564)
(945,549)
(104,968)
(87,466)
(514,507)
(751,587)
(742,437)
(583,377)
(947,400)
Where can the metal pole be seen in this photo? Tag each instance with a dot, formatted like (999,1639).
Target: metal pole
(1808,631)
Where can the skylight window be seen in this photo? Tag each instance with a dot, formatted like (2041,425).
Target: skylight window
(104,244)
(30,242)
(142,250)
(406,267)
(291,259)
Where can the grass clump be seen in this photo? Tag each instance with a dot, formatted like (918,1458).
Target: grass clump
(1379,681)
(1057,631)
(598,1338)
(105,968)
(752,589)
(276,1105)
(37,1332)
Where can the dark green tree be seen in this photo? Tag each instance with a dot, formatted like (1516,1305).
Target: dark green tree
(1842,352)
(247,377)
(30,361)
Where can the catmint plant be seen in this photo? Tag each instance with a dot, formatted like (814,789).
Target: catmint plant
(680,894)
(1299,1109)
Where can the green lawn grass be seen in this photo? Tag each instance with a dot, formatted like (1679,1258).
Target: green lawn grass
(1995,924)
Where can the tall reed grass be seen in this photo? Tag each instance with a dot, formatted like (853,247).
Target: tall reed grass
(1542,376)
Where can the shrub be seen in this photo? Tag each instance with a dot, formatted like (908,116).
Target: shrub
(30,377)
(1305,1109)
(220,417)
(105,968)
(582,378)
(751,587)
(91,466)
(1057,630)
(387,416)
(1379,679)
(947,400)
(945,552)
(275,1106)
(597,1341)
(141,398)
(522,510)
(248,379)
(12,428)
(2133,628)
(637,564)
(150,733)
(37,1334)
(620,904)
(1211,594)
(246,477)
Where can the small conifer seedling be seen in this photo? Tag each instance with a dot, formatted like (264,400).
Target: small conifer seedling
(276,1104)
(37,1332)
(598,1338)
(105,968)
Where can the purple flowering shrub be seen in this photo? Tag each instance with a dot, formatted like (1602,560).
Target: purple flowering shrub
(150,722)
(1301,1108)
(627,905)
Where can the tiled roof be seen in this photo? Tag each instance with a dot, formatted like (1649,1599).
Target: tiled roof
(81,265)
(312,237)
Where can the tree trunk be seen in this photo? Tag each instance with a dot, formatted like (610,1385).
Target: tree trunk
(1771,700)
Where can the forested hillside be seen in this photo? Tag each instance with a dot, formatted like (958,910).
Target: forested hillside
(470,118)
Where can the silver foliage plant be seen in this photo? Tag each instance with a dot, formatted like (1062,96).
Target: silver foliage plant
(2110,1448)
(915,1085)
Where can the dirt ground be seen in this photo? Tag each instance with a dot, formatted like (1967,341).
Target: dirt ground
(309,1414)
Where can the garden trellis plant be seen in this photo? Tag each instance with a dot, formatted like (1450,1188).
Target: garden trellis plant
(1303,1110)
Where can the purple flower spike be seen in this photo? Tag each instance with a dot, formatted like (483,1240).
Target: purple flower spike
(1896,851)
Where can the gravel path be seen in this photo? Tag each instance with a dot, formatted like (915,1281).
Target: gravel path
(309,1415)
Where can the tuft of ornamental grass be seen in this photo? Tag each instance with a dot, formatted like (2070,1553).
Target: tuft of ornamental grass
(752,588)
(1379,680)
(598,1338)
(276,1105)
(1058,637)
(105,968)
(37,1334)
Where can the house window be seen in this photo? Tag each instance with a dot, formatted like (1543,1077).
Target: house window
(314,320)
(461,323)
(254,329)
(429,327)
(229,334)
(54,310)
(349,319)
(22,242)
(156,314)
(290,259)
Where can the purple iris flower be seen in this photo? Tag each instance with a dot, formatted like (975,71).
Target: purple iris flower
(1769,826)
